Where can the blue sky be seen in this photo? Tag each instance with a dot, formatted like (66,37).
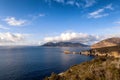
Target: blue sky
(24,22)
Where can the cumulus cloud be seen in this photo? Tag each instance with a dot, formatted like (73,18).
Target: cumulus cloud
(3,27)
(100,12)
(73,37)
(11,38)
(12,21)
(78,37)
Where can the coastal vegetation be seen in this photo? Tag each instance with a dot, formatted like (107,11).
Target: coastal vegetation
(100,68)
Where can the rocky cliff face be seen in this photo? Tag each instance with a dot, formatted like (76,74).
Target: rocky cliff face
(107,43)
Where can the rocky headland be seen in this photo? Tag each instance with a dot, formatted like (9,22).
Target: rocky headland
(106,48)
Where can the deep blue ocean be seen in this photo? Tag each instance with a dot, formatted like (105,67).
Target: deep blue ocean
(34,63)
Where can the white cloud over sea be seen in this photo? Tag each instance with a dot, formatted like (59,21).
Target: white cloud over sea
(12,38)
(79,37)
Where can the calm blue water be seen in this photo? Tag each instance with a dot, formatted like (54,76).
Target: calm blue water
(34,63)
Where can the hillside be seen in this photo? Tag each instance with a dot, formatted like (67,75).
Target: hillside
(98,69)
(64,44)
(107,43)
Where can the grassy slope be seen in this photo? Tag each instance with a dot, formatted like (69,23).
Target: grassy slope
(97,69)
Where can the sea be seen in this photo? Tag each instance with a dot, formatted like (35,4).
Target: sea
(35,62)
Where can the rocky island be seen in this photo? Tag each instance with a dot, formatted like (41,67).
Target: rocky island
(105,66)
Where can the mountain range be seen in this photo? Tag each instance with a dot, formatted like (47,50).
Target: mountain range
(64,44)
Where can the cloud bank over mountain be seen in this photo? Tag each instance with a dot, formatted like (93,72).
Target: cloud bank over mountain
(78,37)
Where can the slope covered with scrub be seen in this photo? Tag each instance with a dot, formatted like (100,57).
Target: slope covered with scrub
(101,68)
(115,41)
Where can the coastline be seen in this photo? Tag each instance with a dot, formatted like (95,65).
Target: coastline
(106,60)
(100,68)
(112,51)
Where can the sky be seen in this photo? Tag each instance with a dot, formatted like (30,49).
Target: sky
(34,22)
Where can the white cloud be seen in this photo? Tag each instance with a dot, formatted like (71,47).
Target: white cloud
(72,2)
(3,27)
(11,38)
(72,37)
(109,7)
(78,3)
(100,12)
(89,3)
(59,1)
(78,37)
(12,21)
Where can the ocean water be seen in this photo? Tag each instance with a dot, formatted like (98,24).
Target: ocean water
(34,63)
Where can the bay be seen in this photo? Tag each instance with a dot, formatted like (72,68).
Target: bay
(34,62)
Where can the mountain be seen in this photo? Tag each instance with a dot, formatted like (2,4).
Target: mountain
(64,44)
(115,41)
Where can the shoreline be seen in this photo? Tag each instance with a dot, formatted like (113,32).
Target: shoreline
(105,57)
(100,68)
(112,51)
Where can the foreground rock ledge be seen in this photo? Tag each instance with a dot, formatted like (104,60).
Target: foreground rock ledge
(100,68)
